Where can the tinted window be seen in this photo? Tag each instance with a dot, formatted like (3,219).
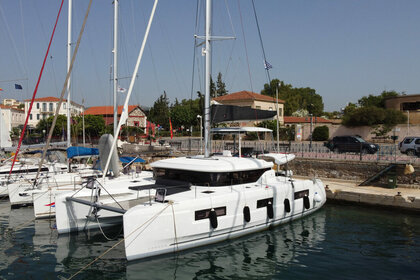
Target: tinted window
(417,141)
(408,140)
(207,178)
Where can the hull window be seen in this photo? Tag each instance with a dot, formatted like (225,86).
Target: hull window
(205,214)
(264,202)
(301,194)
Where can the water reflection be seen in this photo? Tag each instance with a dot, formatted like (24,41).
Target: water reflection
(258,255)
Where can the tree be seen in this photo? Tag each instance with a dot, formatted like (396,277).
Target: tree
(221,86)
(377,101)
(321,133)
(295,98)
(59,129)
(94,126)
(159,113)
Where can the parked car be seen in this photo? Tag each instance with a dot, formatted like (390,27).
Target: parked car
(410,146)
(355,144)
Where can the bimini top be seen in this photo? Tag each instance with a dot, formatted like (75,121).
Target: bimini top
(212,164)
(234,130)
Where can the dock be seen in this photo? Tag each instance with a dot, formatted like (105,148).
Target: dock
(402,198)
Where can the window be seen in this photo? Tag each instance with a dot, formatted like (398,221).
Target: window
(64,105)
(204,214)
(44,107)
(257,107)
(37,116)
(162,175)
(136,124)
(30,117)
(411,106)
(37,105)
(264,202)
(280,112)
(51,107)
(301,194)
(408,140)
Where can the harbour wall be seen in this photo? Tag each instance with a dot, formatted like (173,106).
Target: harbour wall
(357,171)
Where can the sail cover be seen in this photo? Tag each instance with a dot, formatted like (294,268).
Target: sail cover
(81,151)
(231,113)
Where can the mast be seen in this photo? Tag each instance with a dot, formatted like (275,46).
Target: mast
(68,67)
(115,68)
(207,52)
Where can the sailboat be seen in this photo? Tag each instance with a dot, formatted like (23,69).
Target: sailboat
(206,199)
(101,202)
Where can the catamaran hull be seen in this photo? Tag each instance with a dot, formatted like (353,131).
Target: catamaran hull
(75,216)
(167,228)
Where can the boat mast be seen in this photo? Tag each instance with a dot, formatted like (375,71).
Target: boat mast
(68,67)
(115,72)
(207,52)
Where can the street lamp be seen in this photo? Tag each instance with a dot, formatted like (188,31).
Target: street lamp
(201,133)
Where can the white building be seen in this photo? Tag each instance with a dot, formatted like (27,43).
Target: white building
(11,102)
(45,107)
(12,117)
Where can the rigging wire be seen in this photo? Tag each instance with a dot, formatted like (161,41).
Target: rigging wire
(63,91)
(246,48)
(151,53)
(262,45)
(33,97)
(25,50)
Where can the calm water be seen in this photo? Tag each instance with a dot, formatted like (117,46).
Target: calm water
(340,242)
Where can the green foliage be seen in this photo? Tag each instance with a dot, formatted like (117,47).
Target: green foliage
(94,126)
(221,86)
(377,101)
(45,124)
(218,89)
(371,111)
(295,98)
(321,133)
(382,119)
(159,113)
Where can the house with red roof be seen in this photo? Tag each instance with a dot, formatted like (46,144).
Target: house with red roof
(136,116)
(44,107)
(254,100)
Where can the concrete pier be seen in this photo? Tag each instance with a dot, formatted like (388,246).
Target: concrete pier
(349,191)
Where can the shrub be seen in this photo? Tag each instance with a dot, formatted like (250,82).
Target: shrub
(321,133)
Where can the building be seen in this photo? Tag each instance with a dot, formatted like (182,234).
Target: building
(136,116)
(13,117)
(254,100)
(45,107)
(11,102)
(408,104)
(303,125)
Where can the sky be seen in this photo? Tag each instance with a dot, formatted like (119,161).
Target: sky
(342,49)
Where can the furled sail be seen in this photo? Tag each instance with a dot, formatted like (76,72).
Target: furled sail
(230,113)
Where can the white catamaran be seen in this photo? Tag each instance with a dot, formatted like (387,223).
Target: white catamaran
(207,199)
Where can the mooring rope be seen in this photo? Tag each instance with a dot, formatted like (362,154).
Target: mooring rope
(119,242)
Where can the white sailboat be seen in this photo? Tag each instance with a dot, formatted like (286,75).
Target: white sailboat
(102,202)
(203,200)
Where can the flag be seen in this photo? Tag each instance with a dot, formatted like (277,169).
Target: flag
(17,86)
(121,89)
(170,128)
(1,89)
(267,65)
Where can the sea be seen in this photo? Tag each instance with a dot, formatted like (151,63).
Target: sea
(337,242)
